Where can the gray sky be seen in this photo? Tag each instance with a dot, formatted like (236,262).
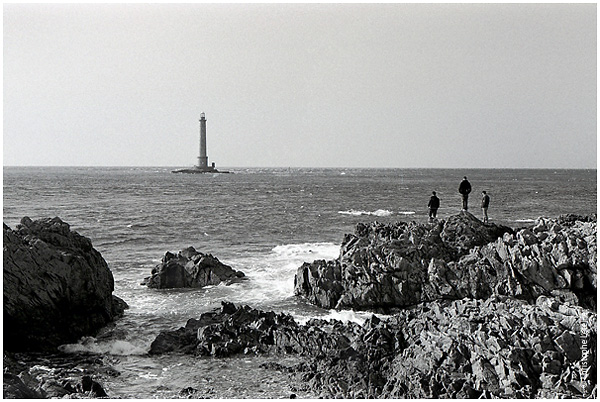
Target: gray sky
(325,85)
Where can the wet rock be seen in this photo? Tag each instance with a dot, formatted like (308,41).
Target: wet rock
(320,282)
(190,269)
(45,375)
(231,331)
(57,287)
(339,353)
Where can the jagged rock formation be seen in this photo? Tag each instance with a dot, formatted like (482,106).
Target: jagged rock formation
(501,347)
(403,264)
(57,287)
(234,330)
(190,269)
(336,353)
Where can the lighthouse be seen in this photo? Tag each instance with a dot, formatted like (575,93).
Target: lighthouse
(203,158)
(202,166)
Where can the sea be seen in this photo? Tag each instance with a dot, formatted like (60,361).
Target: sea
(265,222)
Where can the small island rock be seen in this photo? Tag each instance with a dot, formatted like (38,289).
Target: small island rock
(190,269)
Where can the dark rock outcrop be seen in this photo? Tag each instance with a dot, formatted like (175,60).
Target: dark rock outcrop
(501,347)
(345,352)
(403,264)
(39,376)
(57,287)
(190,269)
(244,330)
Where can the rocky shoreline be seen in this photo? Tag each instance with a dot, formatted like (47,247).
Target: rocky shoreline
(470,310)
(403,264)
(500,348)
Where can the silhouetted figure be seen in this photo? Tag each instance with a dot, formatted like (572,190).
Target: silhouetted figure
(485,203)
(434,204)
(464,189)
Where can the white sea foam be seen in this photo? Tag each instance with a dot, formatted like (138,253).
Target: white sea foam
(379,212)
(358,317)
(114,347)
(525,220)
(271,276)
(307,250)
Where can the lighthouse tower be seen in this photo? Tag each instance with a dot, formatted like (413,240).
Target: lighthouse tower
(203,158)
(202,166)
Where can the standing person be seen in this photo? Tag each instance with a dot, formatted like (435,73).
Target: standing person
(485,203)
(464,189)
(434,204)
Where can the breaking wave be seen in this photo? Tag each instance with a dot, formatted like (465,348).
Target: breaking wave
(379,212)
(89,344)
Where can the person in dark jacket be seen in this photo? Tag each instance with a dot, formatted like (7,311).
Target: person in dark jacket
(485,203)
(464,189)
(434,204)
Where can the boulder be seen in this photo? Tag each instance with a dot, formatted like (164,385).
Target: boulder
(190,269)
(385,266)
(57,287)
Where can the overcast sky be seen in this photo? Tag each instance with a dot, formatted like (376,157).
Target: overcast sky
(325,85)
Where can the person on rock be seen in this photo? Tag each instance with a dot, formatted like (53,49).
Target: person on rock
(485,202)
(434,204)
(464,189)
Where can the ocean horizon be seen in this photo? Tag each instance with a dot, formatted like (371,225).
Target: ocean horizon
(302,167)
